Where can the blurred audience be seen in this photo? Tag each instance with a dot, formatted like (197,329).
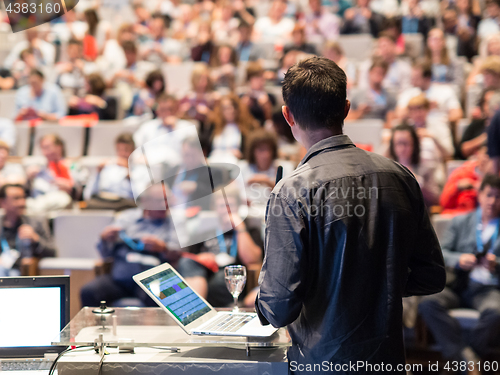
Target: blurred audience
(471,250)
(21,236)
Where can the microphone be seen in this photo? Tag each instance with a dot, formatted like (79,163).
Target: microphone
(279,174)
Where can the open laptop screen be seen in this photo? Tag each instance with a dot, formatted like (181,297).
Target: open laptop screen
(34,310)
(176,296)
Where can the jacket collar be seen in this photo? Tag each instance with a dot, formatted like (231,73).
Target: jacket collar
(336,141)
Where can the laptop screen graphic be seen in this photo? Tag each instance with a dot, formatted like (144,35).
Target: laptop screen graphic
(176,296)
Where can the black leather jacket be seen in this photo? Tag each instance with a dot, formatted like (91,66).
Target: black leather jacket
(347,237)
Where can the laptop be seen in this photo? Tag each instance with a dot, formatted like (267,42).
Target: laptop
(191,312)
(33,312)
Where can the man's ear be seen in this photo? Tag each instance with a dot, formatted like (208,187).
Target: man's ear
(347,108)
(287,114)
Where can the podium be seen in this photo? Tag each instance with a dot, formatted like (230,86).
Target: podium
(146,340)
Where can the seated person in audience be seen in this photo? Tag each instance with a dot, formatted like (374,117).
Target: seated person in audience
(494,143)
(145,100)
(12,173)
(490,71)
(489,47)
(461,23)
(475,136)
(256,98)
(134,71)
(21,69)
(398,75)
(360,19)
(460,191)
(419,157)
(71,73)
(7,132)
(94,100)
(139,239)
(165,121)
(22,236)
(471,250)
(259,171)
(445,69)
(320,24)
(444,101)
(160,48)
(415,20)
(231,123)
(491,23)
(435,128)
(111,180)
(335,52)
(245,46)
(241,245)
(39,100)
(275,28)
(374,102)
(225,23)
(199,103)
(299,42)
(223,67)
(203,46)
(44,52)
(51,186)
(113,55)
(185,26)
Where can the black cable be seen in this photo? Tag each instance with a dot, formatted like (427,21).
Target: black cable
(54,364)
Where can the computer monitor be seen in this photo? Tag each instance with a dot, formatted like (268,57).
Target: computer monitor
(33,310)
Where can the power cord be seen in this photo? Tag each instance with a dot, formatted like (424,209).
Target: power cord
(54,364)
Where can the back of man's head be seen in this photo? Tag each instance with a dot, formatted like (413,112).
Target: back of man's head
(315,91)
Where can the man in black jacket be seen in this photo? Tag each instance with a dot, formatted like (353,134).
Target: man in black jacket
(20,235)
(347,236)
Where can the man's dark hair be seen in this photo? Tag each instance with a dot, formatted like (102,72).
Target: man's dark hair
(491,181)
(426,66)
(36,72)
(315,92)
(3,189)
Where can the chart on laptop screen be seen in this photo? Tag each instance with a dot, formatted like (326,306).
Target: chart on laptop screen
(176,296)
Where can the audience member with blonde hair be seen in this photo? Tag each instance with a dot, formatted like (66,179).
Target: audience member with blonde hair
(199,102)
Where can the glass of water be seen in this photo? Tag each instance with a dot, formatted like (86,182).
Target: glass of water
(236,277)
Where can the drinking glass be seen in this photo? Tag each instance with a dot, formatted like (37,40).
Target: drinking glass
(236,277)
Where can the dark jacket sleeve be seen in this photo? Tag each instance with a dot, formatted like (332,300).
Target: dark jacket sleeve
(427,273)
(279,301)
(45,246)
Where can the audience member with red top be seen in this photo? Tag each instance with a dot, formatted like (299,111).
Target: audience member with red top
(460,191)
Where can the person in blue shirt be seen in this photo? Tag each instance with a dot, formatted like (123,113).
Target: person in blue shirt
(471,251)
(40,99)
(139,239)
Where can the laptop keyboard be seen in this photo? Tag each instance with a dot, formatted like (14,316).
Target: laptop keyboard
(25,365)
(229,323)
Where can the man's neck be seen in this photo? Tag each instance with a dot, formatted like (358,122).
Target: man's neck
(314,137)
